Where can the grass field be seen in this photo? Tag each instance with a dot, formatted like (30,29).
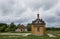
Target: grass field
(19,36)
(28,37)
(57,33)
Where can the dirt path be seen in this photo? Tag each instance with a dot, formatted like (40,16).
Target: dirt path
(23,34)
(51,35)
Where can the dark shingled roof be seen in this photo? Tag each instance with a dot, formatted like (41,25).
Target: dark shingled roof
(38,21)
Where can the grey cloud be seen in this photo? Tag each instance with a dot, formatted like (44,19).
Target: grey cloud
(11,7)
(15,8)
(49,4)
(57,13)
(6,8)
(45,5)
(50,19)
(53,19)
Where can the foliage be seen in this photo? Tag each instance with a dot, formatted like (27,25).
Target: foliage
(11,27)
(53,29)
(29,27)
(7,28)
(3,26)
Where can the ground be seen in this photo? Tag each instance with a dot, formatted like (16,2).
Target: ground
(23,35)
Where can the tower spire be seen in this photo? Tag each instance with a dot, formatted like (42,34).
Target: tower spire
(38,16)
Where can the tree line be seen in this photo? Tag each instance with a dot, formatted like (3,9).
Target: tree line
(12,27)
(7,28)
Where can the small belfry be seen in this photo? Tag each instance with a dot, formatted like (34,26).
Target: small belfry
(37,16)
(38,26)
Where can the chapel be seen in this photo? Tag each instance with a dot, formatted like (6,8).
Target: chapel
(38,26)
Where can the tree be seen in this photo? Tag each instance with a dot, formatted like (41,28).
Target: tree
(29,27)
(3,26)
(11,27)
(7,29)
(18,25)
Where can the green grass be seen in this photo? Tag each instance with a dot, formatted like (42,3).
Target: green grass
(31,36)
(54,32)
(28,37)
(57,33)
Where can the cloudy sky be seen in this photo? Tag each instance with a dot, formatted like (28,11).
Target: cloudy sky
(24,11)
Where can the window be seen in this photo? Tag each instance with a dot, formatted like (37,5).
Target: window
(38,29)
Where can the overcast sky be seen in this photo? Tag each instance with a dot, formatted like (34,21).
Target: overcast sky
(25,11)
